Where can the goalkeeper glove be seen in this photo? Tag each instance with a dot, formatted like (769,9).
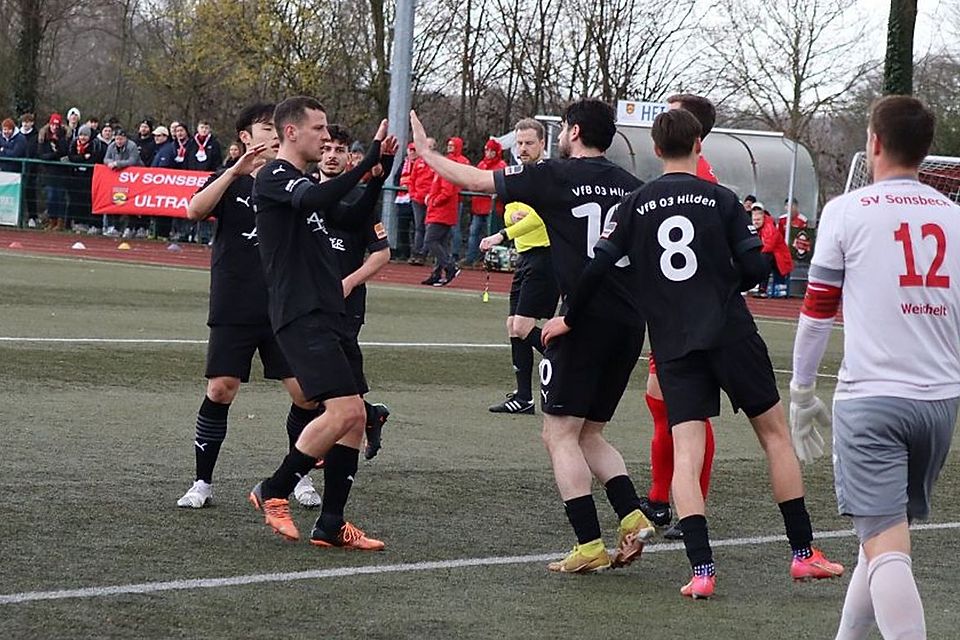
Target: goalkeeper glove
(805,410)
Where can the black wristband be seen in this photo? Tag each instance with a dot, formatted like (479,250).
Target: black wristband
(504,236)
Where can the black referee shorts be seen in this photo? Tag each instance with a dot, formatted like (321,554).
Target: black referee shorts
(534,292)
(691,384)
(230,352)
(585,372)
(313,345)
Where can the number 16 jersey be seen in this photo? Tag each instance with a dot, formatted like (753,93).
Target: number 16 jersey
(575,197)
(683,235)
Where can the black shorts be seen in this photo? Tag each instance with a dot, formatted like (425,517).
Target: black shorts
(230,352)
(534,291)
(313,345)
(585,372)
(691,384)
(350,341)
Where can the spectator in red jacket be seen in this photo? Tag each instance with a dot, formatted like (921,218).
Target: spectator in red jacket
(443,212)
(421,178)
(481,206)
(773,243)
(797,220)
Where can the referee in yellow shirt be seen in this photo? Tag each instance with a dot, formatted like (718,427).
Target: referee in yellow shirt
(534,292)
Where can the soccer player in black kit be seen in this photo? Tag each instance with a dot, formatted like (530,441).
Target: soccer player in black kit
(582,377)
(238,320)
(694,249)
(306,305)
(351,248)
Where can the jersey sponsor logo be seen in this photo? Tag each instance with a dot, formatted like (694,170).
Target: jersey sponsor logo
(380,231)
(244,201)
(513,170)
(315,219)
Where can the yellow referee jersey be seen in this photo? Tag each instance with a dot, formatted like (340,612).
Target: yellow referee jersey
(529,232)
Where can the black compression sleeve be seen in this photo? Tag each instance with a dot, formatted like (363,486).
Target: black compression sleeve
(356,214)
(754,268)
(319,197)
(588,284)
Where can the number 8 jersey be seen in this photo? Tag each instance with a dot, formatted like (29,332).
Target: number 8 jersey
(576,197)
(892,250)
(684,235)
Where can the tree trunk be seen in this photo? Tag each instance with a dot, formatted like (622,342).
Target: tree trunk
(27,76)
(898,66)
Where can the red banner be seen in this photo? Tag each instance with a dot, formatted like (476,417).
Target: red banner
(145,191)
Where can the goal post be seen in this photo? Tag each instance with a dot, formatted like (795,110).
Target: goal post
(940,172)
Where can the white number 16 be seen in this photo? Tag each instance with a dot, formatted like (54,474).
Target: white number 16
(593,213)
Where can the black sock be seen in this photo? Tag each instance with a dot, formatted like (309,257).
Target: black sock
(535,339)
(522,367)
(339,470)
(297,420)
(696,541)
(295,465)
(796,521)
(622,496)
(582,514)
(211,431)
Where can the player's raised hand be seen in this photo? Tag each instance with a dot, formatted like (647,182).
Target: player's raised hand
(554,328)
(251,159)
(807,410)
(419,134)
(389,146)
(381,130)
(490,241)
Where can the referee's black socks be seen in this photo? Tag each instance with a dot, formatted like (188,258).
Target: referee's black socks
(211,431)
(523,367)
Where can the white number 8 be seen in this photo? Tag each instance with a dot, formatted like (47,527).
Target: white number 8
(681,247)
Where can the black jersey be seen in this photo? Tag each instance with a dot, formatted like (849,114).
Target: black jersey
(576,197)
(300,265)
(684,236)
(351,247)
(238,291)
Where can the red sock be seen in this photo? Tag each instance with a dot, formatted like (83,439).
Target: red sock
(661,452)
(707,461)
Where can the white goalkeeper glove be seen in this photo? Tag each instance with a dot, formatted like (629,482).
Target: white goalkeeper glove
(805,410)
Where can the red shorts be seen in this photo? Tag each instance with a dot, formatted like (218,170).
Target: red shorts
(653,364)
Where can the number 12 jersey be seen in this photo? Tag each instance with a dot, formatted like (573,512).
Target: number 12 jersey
(684,235)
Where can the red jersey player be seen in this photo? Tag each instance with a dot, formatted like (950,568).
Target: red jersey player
(657,503)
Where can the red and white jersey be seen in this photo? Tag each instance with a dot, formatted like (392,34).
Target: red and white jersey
(894,248)
(705,171)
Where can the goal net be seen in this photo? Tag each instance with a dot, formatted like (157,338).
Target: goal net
(940,172)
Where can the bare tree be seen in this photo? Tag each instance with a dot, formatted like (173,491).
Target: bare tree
(798,59)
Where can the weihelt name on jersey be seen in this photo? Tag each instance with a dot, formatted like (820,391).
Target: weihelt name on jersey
(671,201)
(925,309)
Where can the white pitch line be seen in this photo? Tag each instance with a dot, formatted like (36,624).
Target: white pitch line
(397,345)
(413,567)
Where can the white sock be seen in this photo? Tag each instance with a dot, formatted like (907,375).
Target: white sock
(857,621)
(896,601)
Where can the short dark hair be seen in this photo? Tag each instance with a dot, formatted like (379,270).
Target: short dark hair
(293,110)
(258,112)
(904,126)
(339,133)
(530,123)
(750,198)
(701,108)
(597,121)
(675,133)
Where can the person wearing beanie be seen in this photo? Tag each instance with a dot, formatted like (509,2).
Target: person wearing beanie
(145,141)
(73,123)
(481,206)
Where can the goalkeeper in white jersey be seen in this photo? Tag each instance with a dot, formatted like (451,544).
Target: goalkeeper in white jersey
(891,252)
